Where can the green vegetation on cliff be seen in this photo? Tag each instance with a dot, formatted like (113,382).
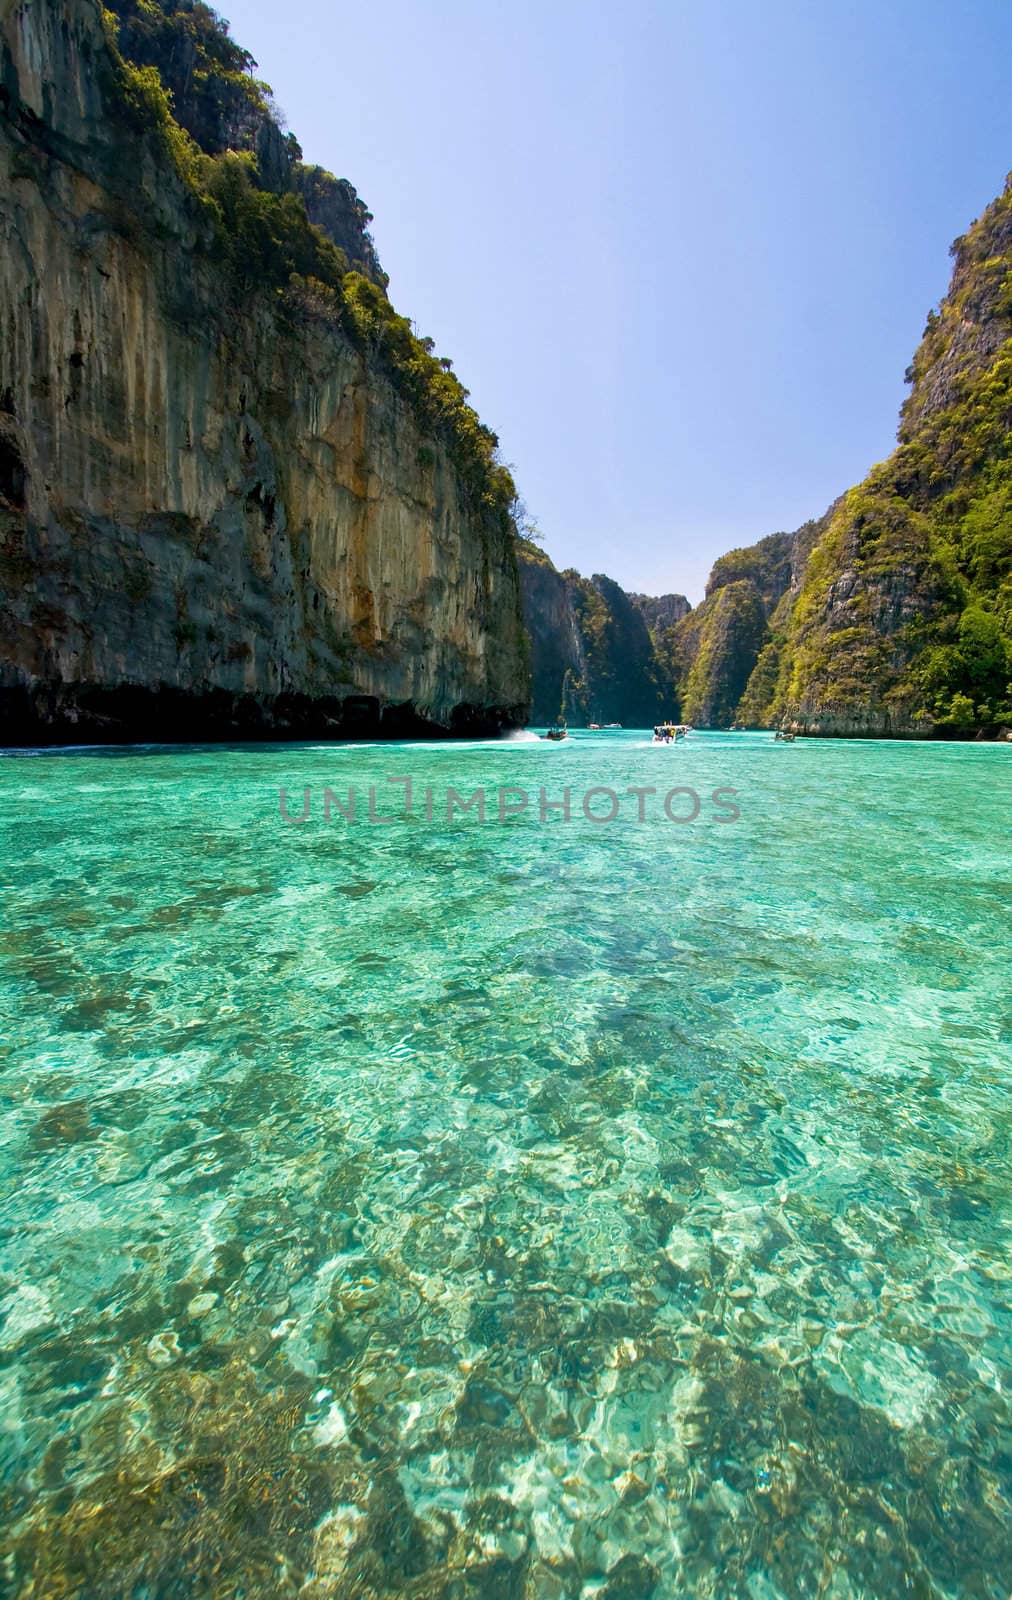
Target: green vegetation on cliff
(904,619)
(893,613)
(215,96)
(184,82)
(766,566)
(714,650)
(620,681)
(231,494)
(711,652)
(592,653)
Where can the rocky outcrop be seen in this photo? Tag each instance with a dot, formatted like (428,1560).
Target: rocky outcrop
(558,664)
(219,516)
(622,683)
(767,566)
(334,205)
(892,614)
(963,338)
(902,624)
(852,628)
(218,101)
(713,651)
(592,655)
(661,611)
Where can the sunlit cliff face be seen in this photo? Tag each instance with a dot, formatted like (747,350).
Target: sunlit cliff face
(228,519)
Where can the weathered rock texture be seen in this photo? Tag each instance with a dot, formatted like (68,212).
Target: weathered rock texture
(558,662)
(216,519)
(891,615)
(901,624)
(592,655)
(217,99)
(713,651)
(333,204)
(661,611)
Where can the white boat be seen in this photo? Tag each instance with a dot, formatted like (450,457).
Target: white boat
(670,732)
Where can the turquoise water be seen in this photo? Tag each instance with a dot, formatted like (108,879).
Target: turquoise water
(545,1209)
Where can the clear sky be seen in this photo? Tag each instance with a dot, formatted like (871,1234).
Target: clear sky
(680,254)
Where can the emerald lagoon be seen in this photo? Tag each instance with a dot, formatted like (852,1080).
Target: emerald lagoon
(523,1208)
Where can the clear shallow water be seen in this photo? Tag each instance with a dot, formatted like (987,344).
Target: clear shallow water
(542,1210)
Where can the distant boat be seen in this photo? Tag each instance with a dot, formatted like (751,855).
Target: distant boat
(784,736)
(557,733)
(613,724)
(595,725)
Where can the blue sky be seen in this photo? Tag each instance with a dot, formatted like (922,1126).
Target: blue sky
(680,254)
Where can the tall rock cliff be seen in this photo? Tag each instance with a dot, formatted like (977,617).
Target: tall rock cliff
(661,611)
(712,651)
(592,653)
(622,682)
(902,623)
(237,495)
(222,105)
(558,662)
(892,614)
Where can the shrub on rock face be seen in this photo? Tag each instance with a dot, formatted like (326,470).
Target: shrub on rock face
(898,614)
(185,83)
(926,556)
(722,640)
(216,98)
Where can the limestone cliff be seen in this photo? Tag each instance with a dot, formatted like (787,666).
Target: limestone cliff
(236,495)
(592,654)
(712,651)
(902,624)
(891,614)
(334,206)
(622,679)
(217,99)
(661,611)
(558,663)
